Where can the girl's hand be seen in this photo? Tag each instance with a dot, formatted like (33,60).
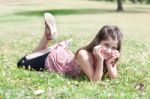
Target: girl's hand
(115,55)
(96,51)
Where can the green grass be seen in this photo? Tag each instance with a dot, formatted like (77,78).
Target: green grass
(21,28)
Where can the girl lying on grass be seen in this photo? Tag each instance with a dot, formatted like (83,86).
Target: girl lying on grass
(94,60)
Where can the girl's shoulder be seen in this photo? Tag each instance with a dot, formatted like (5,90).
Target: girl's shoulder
(82,52)
(82,55)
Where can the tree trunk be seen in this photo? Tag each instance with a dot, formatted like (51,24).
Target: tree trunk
(134,1)
(119,5)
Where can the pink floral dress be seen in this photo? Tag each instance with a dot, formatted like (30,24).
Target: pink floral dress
(62,61)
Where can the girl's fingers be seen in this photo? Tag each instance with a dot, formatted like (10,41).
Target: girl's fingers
(111,59)
(99,46)
(116,53)
(101,49)
(114,56)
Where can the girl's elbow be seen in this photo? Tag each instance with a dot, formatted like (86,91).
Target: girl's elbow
(97,78)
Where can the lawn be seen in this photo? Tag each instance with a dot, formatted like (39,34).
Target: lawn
(21,28)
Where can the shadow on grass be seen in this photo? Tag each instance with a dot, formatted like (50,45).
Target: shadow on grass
(75,11)
(80,78)
(65,12)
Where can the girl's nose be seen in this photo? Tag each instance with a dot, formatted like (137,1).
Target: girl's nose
(108,50)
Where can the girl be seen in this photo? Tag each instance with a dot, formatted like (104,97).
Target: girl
(94,60)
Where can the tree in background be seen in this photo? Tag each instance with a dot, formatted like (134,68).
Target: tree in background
(148,1)
(134,1)
(119,5)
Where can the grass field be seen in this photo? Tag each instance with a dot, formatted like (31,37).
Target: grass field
(21,28)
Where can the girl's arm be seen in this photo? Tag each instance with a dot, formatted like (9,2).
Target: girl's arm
(112,68)
(112,71)
(99,71)
(84,61)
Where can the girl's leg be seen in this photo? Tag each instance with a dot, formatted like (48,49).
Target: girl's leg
(36,63)
(50,32)
(37,58)
(43,44)
(66,45)
(38,53)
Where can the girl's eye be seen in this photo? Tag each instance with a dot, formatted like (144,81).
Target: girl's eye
(114,48)
(106,44)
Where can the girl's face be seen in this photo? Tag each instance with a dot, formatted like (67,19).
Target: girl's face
(109,45)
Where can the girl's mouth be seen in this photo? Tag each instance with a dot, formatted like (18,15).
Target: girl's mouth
(106,54)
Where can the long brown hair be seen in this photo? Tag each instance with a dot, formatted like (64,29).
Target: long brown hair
(104,33)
